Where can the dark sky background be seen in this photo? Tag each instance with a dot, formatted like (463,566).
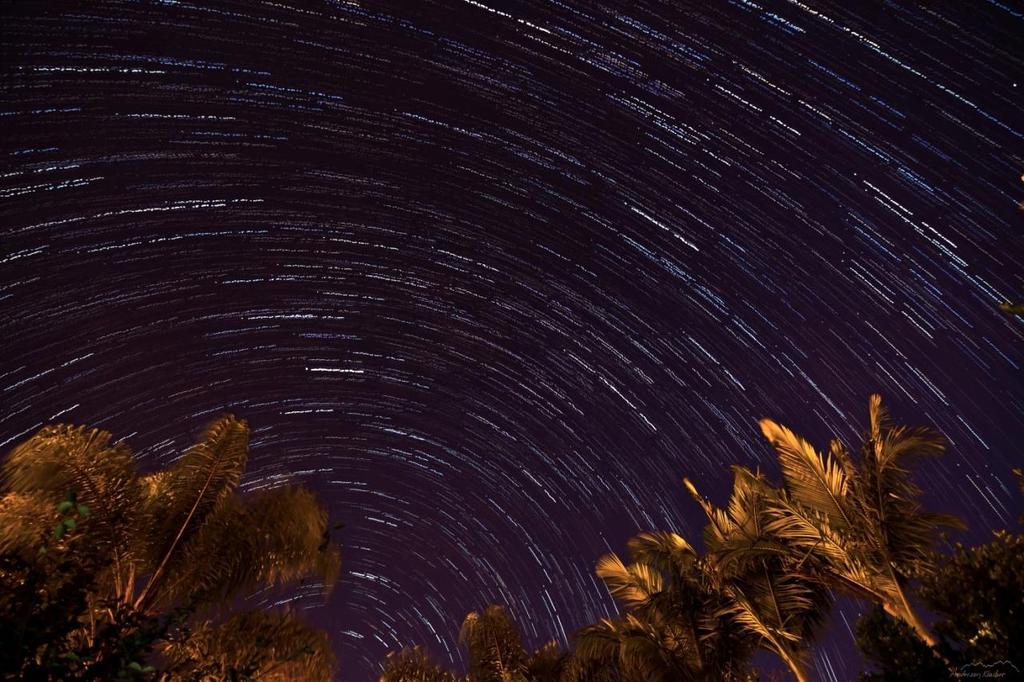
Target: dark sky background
(493,276)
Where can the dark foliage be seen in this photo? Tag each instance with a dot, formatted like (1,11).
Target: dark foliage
(106,574)
(978,596)
(897,653)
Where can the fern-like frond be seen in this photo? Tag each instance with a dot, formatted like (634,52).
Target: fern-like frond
(668,552)
(815,480)
(254,645)
(269,538)
(207,474)
(632,586)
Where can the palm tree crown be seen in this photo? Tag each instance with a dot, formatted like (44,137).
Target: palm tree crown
(179,540)
(859,524)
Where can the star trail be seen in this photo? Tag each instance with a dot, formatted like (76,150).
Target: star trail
(492,277)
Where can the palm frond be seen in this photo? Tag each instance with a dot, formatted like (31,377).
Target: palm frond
(66,459)
(878,417)
(897,530)
(841,455)
(636,649)
(905,444)
(272,537)
(596,649)
(815,480)
(744,611)
(746,503)
(264,645)
(207,474)
(809,531)
(663,550)
(721,525)
(25,521)
(747,541)
(632,586)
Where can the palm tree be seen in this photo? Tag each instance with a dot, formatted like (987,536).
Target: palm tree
(264,645)
(414,665)
(628,649)
(173,545)
(496,654)
(859,525)
(495,647)
(676,626)
(767,596)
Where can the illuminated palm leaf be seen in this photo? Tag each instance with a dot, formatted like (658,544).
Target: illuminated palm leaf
(663,550)
(635,649)
(817,480)
(862,526)
(766,594)
(672,629)
(269,538)
(207,474)
(719,528)
(25,518)
(62,459)
(632,586)
(263,645)
(186,529)
(761,610)
(747,539)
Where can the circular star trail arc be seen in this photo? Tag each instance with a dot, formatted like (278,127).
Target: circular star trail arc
(492,277)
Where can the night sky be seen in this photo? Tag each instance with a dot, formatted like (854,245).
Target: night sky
(492,277)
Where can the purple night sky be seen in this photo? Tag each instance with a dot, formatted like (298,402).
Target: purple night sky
(492,277)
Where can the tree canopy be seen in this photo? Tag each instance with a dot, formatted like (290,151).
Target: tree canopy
(771,559)
(106,572)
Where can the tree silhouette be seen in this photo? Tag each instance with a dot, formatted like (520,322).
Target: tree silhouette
(977,595)
(415,665)
(148,563)
(496,654)
(677,625)
(767,593)
(771,558)
(860,524)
